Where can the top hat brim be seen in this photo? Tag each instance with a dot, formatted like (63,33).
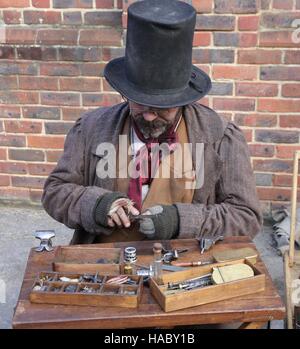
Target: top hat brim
(198,86)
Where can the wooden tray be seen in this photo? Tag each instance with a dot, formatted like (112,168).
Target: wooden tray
(207,294)
(88,260)
(124,295)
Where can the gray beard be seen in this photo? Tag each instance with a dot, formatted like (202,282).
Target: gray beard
(149,131)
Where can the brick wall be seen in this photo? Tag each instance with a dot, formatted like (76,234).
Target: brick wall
(52,55)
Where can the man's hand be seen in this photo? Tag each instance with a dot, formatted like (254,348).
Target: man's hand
(119,211)
(113,209)
(163,224)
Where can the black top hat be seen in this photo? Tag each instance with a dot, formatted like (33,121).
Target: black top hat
(157,68)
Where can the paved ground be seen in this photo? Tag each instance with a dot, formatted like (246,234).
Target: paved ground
(16,239)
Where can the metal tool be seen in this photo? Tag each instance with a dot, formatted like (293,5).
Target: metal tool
(45,236)
(190,264)
(205,244)
(140,216)
(171,255)
(201,281)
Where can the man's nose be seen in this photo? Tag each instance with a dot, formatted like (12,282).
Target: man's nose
(149,116)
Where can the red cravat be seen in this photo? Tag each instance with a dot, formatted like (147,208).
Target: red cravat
(148,156)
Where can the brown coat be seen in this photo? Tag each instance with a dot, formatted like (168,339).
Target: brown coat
(226,204)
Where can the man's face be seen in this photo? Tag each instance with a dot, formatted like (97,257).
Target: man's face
(152,122)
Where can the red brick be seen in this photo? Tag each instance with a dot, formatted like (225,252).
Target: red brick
(203,6)
(256,89)
(291,90)
(41,112)
(72,114)
(26,155)
(215,23)
(273,165)
(59,69)
(7,111)
(42,17)
(289,120)
(7,52)
(103,18)
(243,104)
(261,150)
(259,56)
(13,167)
(277,39)
(80,84)
(60,98)
(120,4)
(8,83)
(276,136)
(37,53)
(248,134)
(12,141)
(72,3)
(4,181)
(99,99)
(106,3)
(274,194)
(88,54)
(28,182)
(286,151)
(18,126)
(18,68)
(38,83)
(53,155)
(279,105)
(235,6)
(284,180)
(92,69)
(57,37)
(283,4)
(280,73)
(20,36)
(101,36)
(278,19)
(40,169)
(72,17)
(12,17)
(48,142)
(248,23)
(3,154)
(41,3)
(202,39)
(11,3)
(235,72)
(248,39)
(59,127)
(19,97)
(292,57)
(14,194)
(256,120)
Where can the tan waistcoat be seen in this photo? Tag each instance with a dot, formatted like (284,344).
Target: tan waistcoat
(165,191)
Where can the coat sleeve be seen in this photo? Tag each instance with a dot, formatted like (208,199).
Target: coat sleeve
(65,198)
(237,209)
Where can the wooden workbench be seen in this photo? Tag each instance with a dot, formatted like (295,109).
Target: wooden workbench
(253,310)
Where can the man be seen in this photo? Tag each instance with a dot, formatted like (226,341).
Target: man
(215,192)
